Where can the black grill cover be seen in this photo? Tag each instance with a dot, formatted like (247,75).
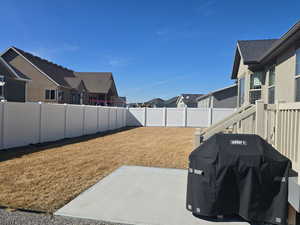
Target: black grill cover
(233,174)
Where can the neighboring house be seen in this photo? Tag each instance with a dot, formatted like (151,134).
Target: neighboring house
(56,84)
(268,69)
(187,100)
(155,103)
(12,83)
(120,101)
(171,103)
(222,98)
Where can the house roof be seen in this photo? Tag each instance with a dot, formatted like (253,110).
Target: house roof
(54,71)
(252,50)
(156,101)
(96,82)
(190,98)
(216,91)
(7,69)
(261,52)
(171,101)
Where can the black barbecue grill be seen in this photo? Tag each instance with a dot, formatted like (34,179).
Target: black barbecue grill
(238,174)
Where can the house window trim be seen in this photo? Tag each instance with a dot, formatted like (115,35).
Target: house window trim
(274,82)
(255,89)
(55,94)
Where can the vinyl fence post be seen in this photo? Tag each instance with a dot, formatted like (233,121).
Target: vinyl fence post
(210,111)
(65,120)
(165,117)
(145,117)
(40,122)
(97,119)
(83,119)
(185,117)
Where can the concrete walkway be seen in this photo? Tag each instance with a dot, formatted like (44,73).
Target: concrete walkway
(137,195)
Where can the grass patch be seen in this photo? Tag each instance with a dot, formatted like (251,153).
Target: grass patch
(46,177)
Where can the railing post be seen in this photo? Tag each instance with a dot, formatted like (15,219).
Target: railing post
(197,138)
(277,127)
(259,118)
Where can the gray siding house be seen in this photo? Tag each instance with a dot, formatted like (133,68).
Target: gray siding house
(222,98)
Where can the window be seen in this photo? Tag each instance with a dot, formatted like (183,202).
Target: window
(241,91)
(50,94)
(255,87)
(271,88)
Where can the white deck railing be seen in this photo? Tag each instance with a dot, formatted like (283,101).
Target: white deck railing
(278,123)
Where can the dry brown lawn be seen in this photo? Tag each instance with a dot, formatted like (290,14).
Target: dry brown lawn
(45,178)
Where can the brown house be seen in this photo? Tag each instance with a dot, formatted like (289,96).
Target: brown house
(53,83)
(12,83)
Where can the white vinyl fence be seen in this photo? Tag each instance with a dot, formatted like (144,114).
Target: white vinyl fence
(30,123)
(176,117)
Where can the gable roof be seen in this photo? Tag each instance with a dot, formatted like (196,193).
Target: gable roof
(7,69)
(155,101)
(216,91)
(190,98)
(171,101)
(56,72)
(261,52)
(96,82)
(252,50)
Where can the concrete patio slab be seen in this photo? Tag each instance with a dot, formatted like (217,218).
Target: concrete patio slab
(137,195)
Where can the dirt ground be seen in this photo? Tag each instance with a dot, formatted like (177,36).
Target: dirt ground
(45,178)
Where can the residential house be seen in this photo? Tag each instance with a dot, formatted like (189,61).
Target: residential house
(56,84)
(120,101)
(12,83)
(188,100)
(268,69)
(155,103)
(171,103)
(222,98)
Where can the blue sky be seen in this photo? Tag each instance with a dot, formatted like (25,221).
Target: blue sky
(157,48)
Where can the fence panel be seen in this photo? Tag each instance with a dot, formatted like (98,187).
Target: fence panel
(176,117)
(198,117)
(155,117)
(90,120)
(119,118)
(219,114)
(74,122)
(52,122)
(20,124)
(135,117)
(103,119)
(112,118)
